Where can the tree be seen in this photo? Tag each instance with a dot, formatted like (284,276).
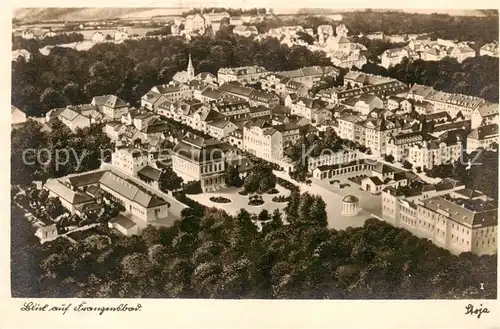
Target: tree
(51,98)
(169,181)
(232,176)
(260,179)
(54,207)
(389,158)
(306,37)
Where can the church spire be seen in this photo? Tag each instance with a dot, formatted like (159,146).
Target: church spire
(190,69)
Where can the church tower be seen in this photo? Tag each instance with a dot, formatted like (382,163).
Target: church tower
(190,69)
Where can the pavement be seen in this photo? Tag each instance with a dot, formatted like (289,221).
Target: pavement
(333,202)
(241,201)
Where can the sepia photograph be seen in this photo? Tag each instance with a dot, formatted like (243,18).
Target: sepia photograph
(257,153)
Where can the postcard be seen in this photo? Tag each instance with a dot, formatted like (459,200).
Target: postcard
(250,165)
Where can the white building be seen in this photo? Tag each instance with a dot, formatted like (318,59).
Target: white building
(243,75)
(482,137)
(331,158)
(196,159)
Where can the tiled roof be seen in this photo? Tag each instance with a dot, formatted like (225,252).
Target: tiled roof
(66,193)
(131,191)
(484,132)
(150,173)
(123,221)
(470,212)
(85,179)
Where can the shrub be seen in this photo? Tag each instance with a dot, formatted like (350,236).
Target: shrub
(419,169)
(272,191)
(193,187)
(256,202)
(220,199)
(287,184)
(243,192)
(281,199)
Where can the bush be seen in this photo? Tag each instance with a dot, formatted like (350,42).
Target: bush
(418,169)
(389,158)
(193,187)
(243,192)
(287,184)
(273,191)
(219,199)
(407,164)
(281,199)
(256,202)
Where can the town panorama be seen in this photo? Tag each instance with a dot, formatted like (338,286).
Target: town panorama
(250,154)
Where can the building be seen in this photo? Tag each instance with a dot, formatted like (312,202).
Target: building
(195,23)
(489,49)
(185,76)
(21,54)
(121,35)
(124,225)
(459,225)
(98,37)
(220,129)
(357,167)
(70,199)
(17,116)
(484,115)
(283,86)
(131,160)
(368,102)
(243,75)
(245,31)
(111,106)
(350,206)
(73,119)
(137,201)
(330,158)
(197,159)
(310,75)
(482,137)
(392,57)
(427,154)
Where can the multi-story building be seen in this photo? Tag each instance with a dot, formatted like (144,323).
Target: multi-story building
(392,57)
(195,23)
(73,119)
(399,144)
(130,160)
(111,106)
(243,75)
(220,129)
(459,225)
(428,154)
(482,137)
(283,85)
(311,109)
(330,158)
(340,95)
(484,115)
(310,75)
(368,102)
(266,141)
(198,159)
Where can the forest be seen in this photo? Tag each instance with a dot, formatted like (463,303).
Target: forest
(209,254)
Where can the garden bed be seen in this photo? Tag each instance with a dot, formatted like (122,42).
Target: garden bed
(220,199)
(273,191)
(256,202)
(242,192)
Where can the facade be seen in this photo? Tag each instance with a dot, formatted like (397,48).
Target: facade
(124,225)
(392,57)
(484,115)
(331,158)
(427,154)
(111,106)
(130,160)
(459,225)
(243,75)
(196,159)
(482,137)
